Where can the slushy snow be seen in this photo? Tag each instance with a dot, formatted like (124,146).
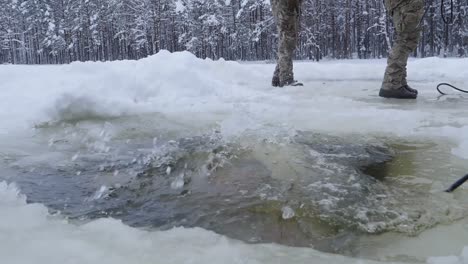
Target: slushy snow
(338,97)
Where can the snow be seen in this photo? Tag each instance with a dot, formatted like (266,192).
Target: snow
(339,97)
(288,213)
(51,26)
(210,20)
(179,6)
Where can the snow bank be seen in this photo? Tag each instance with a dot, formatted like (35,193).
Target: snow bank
(339,96)
(162,83)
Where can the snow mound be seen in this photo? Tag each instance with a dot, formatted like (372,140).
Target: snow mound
(161,83)
(72,108)
(339,96)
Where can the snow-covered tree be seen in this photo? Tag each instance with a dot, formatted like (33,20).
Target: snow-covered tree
(61,31)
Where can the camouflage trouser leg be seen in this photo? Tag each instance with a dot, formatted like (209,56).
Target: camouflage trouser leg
(285,13)
(406,17)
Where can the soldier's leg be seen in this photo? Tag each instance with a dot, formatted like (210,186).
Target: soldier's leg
(287,23)
(274,8)
(285,13)
(406,19)
(412,32)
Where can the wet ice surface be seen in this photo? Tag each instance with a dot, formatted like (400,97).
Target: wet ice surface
(329,166)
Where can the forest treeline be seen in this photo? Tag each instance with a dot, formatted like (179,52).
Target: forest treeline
(62,31)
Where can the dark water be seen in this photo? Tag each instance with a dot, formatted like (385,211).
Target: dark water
(308,189)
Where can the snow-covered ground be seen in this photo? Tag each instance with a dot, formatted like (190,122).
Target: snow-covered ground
(339,98)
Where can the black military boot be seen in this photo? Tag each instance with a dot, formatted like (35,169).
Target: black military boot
(411,89)
(400,93)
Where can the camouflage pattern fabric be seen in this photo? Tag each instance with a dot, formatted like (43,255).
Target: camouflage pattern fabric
(286,14)
(407,15)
